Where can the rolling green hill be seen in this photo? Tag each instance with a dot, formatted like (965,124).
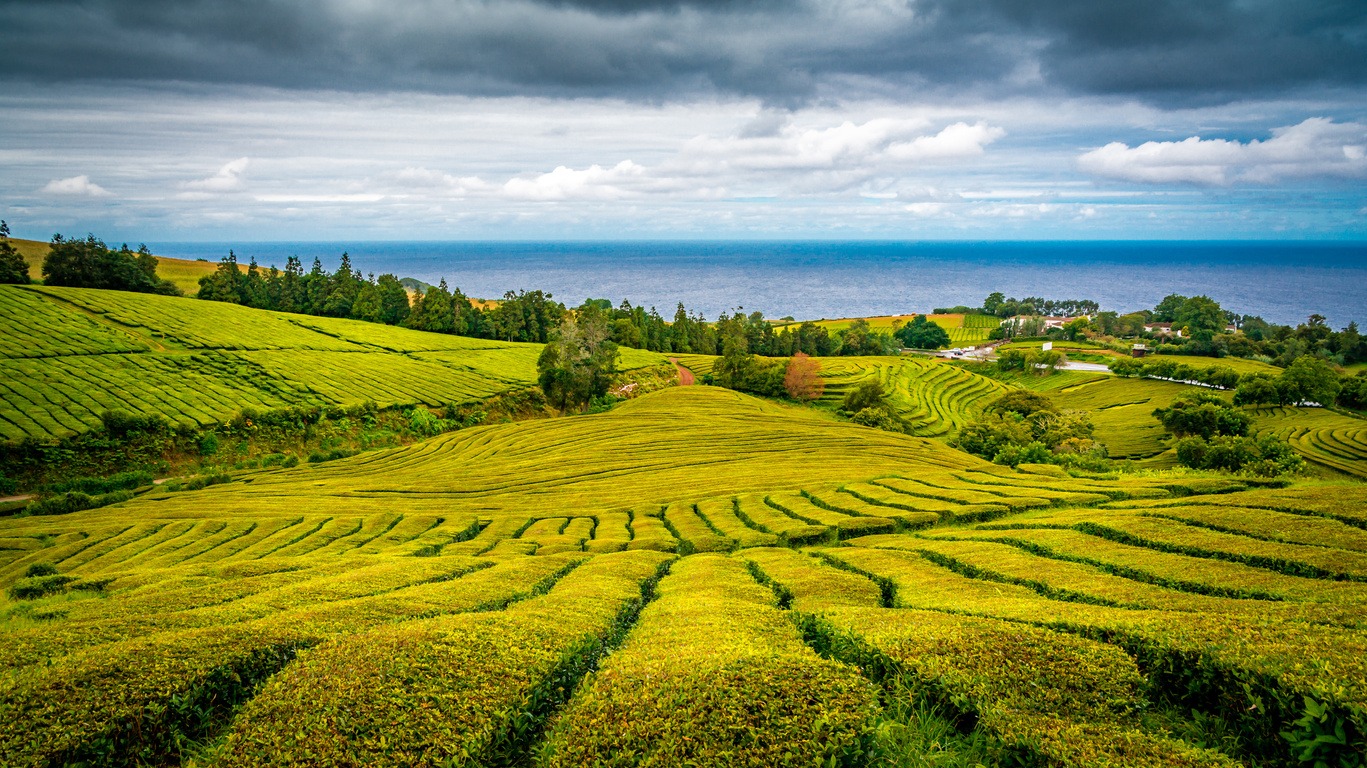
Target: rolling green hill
(775,588)
(68,354)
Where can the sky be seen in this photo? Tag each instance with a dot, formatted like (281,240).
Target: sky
(185,120)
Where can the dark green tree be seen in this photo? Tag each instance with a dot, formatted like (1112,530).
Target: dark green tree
(921,333)
(579,362)
(89,263)
(13,268)
(1203,415)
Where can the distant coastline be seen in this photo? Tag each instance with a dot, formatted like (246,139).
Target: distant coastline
(1281,281)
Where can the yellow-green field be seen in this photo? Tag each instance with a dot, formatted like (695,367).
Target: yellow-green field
(696,577)
(70,354)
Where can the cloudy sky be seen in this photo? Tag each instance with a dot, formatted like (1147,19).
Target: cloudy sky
(167,120)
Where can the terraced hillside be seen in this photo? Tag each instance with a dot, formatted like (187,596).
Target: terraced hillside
(69,354)
(779,589)
(936,398)
(933,396)
(1332,441)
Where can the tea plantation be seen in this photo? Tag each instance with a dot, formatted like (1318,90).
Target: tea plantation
(696,577)
(67,355)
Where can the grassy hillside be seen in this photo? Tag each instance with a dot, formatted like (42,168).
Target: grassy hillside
(69,354)
(183,273)
(447,601)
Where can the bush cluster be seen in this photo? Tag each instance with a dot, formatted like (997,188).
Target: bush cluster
(1024,427)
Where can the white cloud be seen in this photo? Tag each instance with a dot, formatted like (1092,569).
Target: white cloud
(864,147)
(228,178)
(76,186)
(426,179)
(1317,147)
(956,142)
(323,198)
(592,183)
(925,209)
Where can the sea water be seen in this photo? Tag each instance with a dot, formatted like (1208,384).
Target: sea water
(1284,282)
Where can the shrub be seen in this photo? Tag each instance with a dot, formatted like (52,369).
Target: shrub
(319,457)
(869,394)
(118,423)
(878,417)
(40,569)
(208,444)
(34,587)
(122,481)
(1031,453)
(1265,456)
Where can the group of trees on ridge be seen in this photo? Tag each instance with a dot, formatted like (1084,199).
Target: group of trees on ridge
(532,316)
(87,263)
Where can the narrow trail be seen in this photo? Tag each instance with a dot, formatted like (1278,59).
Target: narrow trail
(685,375)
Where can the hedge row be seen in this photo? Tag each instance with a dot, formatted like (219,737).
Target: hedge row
(461,690)
(715,675)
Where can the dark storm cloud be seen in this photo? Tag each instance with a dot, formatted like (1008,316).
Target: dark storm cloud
(783,52)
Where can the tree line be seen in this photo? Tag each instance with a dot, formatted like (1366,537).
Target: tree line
(87,263)
(533,316)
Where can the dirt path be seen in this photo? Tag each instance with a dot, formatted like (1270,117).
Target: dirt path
(685,375)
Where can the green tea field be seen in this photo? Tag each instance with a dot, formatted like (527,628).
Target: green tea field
(70,354)
(933,396)
(696,577)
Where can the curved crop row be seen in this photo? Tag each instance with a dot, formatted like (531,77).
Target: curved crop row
(715,675)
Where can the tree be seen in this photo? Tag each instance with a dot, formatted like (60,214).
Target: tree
(1310,379)
(225,284)
(394,307)
(579,361)
(802,379)
(13,268)
(1256,389)
(1022,402)
(993,303)
(1203,318)
(921,333)
(1203,415)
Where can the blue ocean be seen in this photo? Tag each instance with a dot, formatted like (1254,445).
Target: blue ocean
(1284,282)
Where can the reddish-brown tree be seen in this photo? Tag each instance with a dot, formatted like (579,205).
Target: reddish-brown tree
(803,378)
